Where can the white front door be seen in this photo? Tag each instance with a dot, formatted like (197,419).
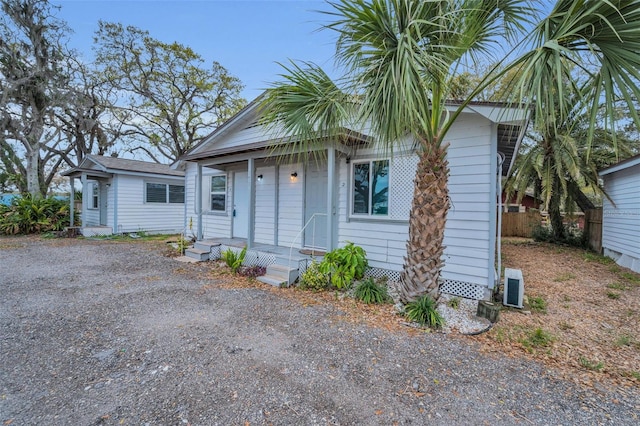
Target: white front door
(240,205)
(315,201)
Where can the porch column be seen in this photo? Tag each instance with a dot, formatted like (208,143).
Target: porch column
(85,198)
(252,201)
(199,201)
(331,171)
(71,202)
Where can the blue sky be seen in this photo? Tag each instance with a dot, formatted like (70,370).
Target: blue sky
(247,37)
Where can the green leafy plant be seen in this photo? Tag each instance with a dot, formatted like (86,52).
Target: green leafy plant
(623,340)
(313,278)
(371,291)
(423,311)
(233,259)
(454,302)
(30,215)
(344,265)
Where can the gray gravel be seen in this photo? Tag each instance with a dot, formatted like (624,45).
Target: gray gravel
(96,332)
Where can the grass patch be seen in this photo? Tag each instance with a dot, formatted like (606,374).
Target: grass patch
(591,365)
(623,340)
(537,338)
(631,277)
(454,302)
(564,277)
(594,257)
(538,304)
(617,286)
(635,375)
(613,295)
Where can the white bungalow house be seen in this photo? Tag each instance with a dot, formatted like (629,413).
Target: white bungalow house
(621,214)
(121,195)
(241,190)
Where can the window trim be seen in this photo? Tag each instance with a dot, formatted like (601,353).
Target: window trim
(224,192)
(369,215)
(166,193)
(94,197)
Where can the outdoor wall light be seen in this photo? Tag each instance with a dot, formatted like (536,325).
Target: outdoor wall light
(294,176)
(259,178)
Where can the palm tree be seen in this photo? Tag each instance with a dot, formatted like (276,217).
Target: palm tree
(400,58)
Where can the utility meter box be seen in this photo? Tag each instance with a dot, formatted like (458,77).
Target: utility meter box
(513,288)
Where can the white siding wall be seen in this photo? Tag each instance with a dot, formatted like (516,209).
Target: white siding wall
(290,211)
(136,215)
(621,223)
(468,250)
(265,205)
(214,224)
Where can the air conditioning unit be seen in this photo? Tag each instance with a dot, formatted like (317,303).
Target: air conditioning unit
(513,288)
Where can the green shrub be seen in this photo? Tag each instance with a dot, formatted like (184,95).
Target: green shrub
(313,278)
(423,311)
(234,260)
(344,265)
(371,291)
(30,215)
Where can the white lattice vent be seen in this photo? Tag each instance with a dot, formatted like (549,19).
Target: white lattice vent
(216,253)
(463,289)
(391,276)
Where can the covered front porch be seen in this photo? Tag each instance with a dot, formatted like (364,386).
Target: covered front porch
(93,210)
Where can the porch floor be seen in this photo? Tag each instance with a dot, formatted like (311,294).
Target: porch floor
(267,248)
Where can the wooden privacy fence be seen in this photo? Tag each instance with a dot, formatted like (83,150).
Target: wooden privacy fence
(520,224)
(593,228)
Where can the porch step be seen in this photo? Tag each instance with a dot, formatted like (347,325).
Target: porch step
(271,280)
(197,254)
(205,245)
(279,274)
(294,262)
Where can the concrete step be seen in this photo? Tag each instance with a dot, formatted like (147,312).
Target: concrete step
(294,262)
(205,245)
(272,280)
(197,254)
(287,274)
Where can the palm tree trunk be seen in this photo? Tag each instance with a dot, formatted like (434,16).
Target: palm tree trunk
(423,263)
(555,214)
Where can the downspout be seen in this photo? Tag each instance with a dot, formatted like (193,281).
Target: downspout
(501,158)
(276,213)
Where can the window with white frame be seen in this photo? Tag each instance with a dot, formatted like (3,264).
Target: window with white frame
(370,186)
(164,193)
(218,193)
(94,195)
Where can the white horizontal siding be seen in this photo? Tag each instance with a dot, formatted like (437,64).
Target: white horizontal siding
(621,222)
(290,210)
(468,251)
(214,224)
(265,205)
(134,214)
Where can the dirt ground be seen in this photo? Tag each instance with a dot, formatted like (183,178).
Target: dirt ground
(116,333)
(587,305)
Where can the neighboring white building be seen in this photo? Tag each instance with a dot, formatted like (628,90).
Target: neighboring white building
(239,187)
(621,215)
(121,195)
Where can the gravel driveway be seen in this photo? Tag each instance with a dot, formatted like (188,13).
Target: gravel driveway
(98,332)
